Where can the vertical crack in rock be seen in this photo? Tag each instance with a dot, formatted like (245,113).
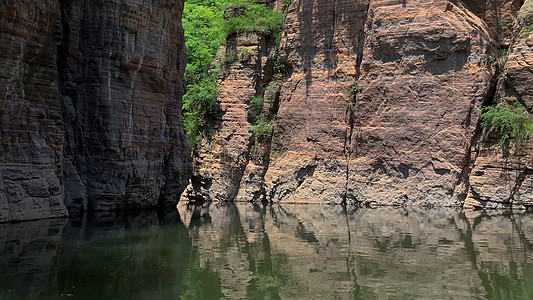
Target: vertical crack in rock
(501,175)
(351,108)
(472,151)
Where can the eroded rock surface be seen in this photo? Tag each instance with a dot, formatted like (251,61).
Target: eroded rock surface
(90,106)
(31,130)
(427,69)
(382,105)
(120,71)
(503,176)
(322,41)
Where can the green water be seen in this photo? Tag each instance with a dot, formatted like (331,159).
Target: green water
(246,251)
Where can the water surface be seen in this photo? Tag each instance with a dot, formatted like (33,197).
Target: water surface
(247,251)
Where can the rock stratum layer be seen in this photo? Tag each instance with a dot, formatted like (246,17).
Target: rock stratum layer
(382,106)
(90,106)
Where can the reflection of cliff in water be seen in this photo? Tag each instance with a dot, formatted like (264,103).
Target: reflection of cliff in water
(28,254)
(327,252)
(271,252)
(101,256)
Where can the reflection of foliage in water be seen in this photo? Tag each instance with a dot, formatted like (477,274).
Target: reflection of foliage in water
(267,277)
(257,254)
(496,285)
(201,282)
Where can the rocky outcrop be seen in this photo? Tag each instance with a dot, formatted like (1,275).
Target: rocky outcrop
(31,130)
(424,77)
(381,106)
(120,70)
(498,15)
(322,41)
(227,153)
(503,176)
(90,106)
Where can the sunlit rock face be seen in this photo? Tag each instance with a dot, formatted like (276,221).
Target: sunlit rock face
(382,106)
(427,68)
(90,106)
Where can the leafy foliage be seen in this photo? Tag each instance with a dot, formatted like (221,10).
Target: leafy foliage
(503,52)
(262,128)
(256,17)
(201,282)
(256,106)
(202,20)
(206,29)
(512,122)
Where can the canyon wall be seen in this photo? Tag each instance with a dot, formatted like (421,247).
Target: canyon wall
(381,106)
(503,176)
(90,106)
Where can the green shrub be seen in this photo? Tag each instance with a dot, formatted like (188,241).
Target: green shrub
(512,122)
(256,17)
(354,90)
(202,22)
(262,128)
(278,65)
(247,51)
(503,52)
(256,107)
(206,28)
(230,57)
(198,103)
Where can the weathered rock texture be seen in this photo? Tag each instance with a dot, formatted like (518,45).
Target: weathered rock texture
(225,154)
(120,70)
(323,43)
(382,105)
(31,130)
(503,177)
(427,68)
(90,98)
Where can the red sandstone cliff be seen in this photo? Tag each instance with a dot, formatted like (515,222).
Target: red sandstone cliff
(379,104)
(504,177)
(382,105)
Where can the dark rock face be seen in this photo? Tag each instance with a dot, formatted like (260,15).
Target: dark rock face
(31,130)
(90,106)
(120,86)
